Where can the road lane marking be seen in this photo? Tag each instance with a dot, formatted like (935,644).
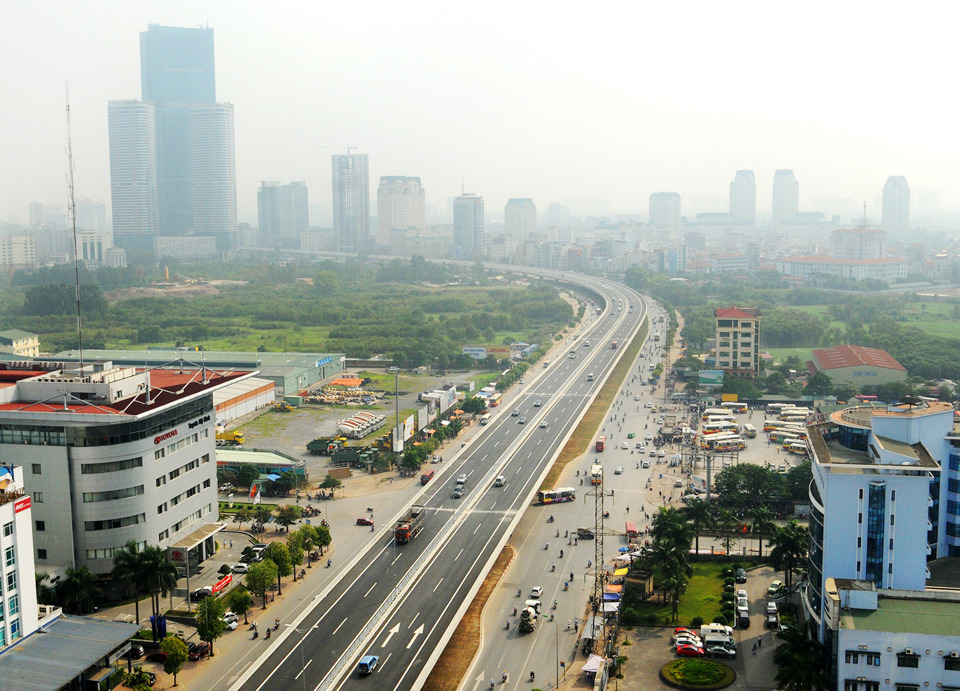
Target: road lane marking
(338,627)
(417,633)
(458,555)
(371,588)
(438,585)
(390,633)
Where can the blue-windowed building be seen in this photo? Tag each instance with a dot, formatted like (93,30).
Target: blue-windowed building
(884,503)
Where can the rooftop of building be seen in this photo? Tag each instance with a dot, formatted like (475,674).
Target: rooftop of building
(905,615)
(58,653)
(859,231)
(843,356)
(832,452)
(166,387)
(827,259)
(736,313)
(16,334)
(256,457)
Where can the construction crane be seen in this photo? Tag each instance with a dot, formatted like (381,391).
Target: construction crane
(338,148)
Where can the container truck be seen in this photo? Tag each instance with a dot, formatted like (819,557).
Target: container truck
(410,525)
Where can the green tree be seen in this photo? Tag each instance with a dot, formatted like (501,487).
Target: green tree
(762,525)
(295,548)
(308,539)
(799,660)
(77,590)
(210,623)
(247,475)
(260,577)
(474,406)
(288,515)
(240,602)
(669,554)
(128,569)
(278,553)
(330,482)
(243,515)
(700,515)
(176,651)
(45,594)
(159,575)
(262,514)
(411,460)
(819,384)
(789,549)
(324,538)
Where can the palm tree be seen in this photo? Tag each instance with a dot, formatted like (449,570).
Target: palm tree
(159,575)
(762,523)
(78,589)
(45,594)
(726,525)
(670,553)
(700,515)
(128,569)
(790,544)
(799,660)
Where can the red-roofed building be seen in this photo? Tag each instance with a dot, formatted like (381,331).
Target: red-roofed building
(859,366)
(738,340)
(112,454)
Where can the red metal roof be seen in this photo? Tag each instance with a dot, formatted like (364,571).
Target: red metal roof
(855,356)
(733,313)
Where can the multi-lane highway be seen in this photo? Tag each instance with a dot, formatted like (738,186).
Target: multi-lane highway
(401,602)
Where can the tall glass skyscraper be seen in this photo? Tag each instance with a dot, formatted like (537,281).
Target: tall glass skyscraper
(351,202)
(195,174)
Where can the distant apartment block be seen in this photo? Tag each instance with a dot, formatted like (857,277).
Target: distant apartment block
(665,211)
(743,198)
(282,213)
(857,243)
(468,227)
(738,340)
(786,198)
(815,267)
(896,205)
(520,219)
(401,205)
(20,343)
(18,252)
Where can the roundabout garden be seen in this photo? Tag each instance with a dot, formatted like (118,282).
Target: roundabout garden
(697,674)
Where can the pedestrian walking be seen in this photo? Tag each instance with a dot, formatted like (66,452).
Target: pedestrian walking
(754,648)
(760,641)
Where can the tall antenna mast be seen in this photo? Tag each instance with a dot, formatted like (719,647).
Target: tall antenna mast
(72,212)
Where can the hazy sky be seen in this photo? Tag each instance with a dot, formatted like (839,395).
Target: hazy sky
(555,101)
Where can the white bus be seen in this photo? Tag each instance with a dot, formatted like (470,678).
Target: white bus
(734,407)
(722,442)
(749,431)
(721,418)
(799,448)
(721,427)
(713,412)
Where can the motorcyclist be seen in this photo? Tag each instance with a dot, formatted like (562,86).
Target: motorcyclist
(561,554)
(553,566)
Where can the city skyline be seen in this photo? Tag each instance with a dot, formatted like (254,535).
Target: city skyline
(517,108)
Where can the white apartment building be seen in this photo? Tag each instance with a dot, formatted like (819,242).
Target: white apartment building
(18,590)
(112,454)
(520,219)
(18,251)
(401,205)
(811,267)
(857,243)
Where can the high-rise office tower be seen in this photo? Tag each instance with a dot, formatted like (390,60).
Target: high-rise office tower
(213,175)
(283,214)
(401,204)
(743,198)
(665,211)
(36,214)
(896,205)
(351,202)
(468,227)
(786,197)
(192,141)
(132,129)
(520,219)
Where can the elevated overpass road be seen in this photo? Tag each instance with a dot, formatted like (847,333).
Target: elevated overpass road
(338,626)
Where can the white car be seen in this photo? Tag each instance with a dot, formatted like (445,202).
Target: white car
(648,437)
(678,483)
(687,639)
(772,608)
(619,470)
(661,453)
(536,591)
(741,593)
(240,568)
(625,446)
(229,616)
(231,625)
(462,479)
(637,397)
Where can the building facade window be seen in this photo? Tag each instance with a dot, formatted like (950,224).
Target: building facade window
(951,664)
(876,503)
(113,494)
(36,468)
(9,556)
(13,605)
(908,661)
(41,526)
(12,580)
(41,554)
(111,466)
(114,523)
(38,497)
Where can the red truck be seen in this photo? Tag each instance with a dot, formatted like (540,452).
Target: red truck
(410,525)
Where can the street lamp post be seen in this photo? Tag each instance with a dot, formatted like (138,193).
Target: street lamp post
(396,405)
(303,665)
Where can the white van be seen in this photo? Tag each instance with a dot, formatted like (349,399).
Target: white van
(719,639)
(715,629)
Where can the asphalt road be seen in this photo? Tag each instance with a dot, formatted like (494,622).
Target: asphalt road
(401,602)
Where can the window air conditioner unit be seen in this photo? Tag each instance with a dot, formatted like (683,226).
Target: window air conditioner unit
(954,654)
(908,651)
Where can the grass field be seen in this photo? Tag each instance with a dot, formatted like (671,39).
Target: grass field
(781,354)
(702,598)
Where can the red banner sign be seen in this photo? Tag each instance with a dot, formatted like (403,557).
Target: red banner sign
(223,583)
(21,505)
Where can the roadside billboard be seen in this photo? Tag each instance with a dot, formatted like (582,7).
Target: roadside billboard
(476,352)
(711,378)
(729,397)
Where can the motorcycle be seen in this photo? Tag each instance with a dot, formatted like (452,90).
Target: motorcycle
(268,634)
(550,520)
(256,634)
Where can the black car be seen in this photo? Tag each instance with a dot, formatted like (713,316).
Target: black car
(740,576)
(136,652)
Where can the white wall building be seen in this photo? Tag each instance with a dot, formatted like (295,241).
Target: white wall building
(18,589)
(111,454)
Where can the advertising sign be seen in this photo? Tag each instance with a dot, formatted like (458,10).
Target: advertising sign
(710,378)
(408,427)
(423,418)
(476,352)
(729,397)
(501,352)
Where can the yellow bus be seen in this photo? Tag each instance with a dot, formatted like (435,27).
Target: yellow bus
(749,431)
(770,425)
(735,407)
(719,427)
